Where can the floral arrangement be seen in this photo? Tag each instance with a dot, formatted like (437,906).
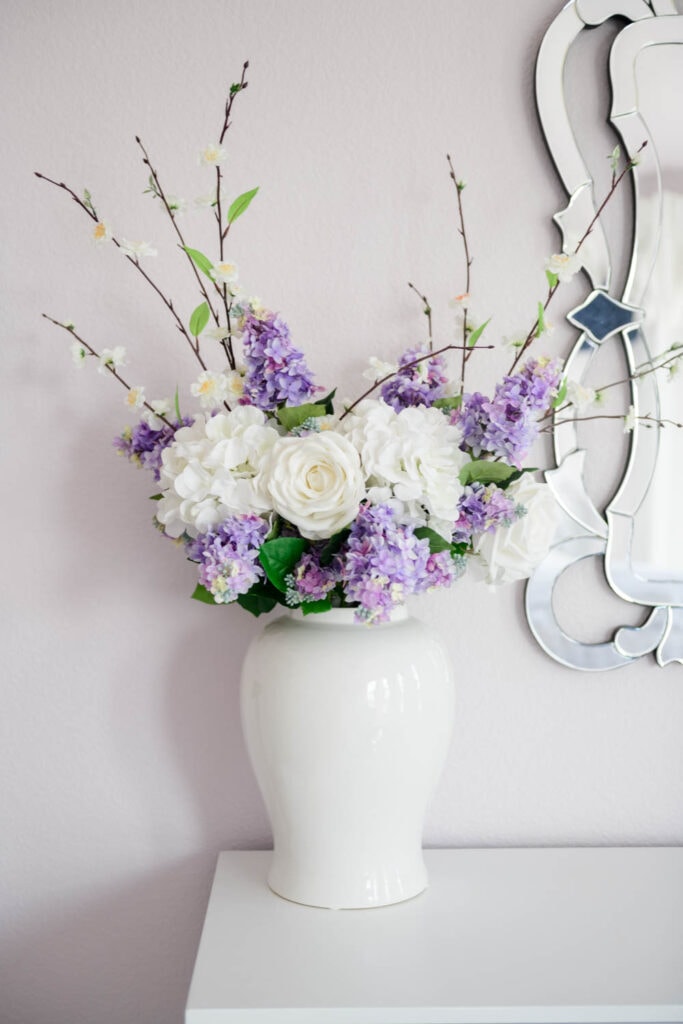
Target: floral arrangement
(280,497)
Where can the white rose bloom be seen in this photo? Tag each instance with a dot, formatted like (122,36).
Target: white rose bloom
(314,482)
(512,553)
(210,471)
(414,456)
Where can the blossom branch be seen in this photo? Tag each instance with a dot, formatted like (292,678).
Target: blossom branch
(552,288)
(459,188)
(92,213)
(169,211)
(427,310)
(401,369)
(112,369)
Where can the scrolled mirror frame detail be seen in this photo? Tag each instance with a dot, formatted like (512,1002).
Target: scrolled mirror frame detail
(602,315)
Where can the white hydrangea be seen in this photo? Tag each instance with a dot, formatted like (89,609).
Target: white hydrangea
(411,459)
(209,472)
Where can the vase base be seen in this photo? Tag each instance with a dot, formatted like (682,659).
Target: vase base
(373,893)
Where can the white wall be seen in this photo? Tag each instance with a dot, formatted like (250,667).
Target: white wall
(125,771)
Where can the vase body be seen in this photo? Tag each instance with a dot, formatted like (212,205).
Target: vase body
(347,727)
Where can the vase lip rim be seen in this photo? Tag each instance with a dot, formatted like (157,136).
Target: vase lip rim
(342,617)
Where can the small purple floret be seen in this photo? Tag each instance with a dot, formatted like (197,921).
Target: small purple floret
(482,509)
(310,581)
(143,445)
(421,384)
(276,370)
(228,556)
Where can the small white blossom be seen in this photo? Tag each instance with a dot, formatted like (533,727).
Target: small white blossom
(212,155)
(460,301)
(176,205)
(101,232)
(379,369)
(579,396)
(79,353)
(234,385)
(162,406)
(211,389)
(513,342)
(137,250)
(224,273)
(217,333)
(630,420)
(135,398)
(206,201)
(563,266)
(112,357)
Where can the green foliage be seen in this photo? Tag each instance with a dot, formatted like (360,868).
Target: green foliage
(484,472)
(474,337)
(448,403)
(258,600)
(199,319)
(238,207)
(561,394)
(504,484)
(540,328)
(155,497)
(200,260)
(436,541)
(551,278)
(176,400)
(293,416)
(315,607)
(200,593)
(332,546)
(327,402)
(278,558)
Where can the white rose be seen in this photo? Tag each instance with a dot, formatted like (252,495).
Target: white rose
(210,471)
(314,482)
(412,455)
(512,553)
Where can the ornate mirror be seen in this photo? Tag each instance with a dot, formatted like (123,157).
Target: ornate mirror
(638,535)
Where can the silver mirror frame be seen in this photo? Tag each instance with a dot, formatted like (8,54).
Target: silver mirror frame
(602,315)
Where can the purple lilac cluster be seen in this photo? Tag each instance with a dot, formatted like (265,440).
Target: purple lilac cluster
(482,509)
(506,425)
(228,556)
(310,580)
(276,370)
(143,445)
(384,561)
(421,384)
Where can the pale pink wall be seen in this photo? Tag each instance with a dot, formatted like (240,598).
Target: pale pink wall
(125,772)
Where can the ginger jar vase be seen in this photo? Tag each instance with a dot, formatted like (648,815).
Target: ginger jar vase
(347,727)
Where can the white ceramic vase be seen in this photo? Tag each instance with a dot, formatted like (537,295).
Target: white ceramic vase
(347,727)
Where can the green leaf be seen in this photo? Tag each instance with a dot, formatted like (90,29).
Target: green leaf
(561,394)
(436,541)
(332,546)
(476,334)
(200,260)
(256,603)
(541,320)
(293,416)
(516,475)
(202,594)
(177,406)
(199,319)
(484,472)
(240,204)
(448,403)
(155,497)
(315,607)
(278,557)
(327,402)
(551,278)
(459,549)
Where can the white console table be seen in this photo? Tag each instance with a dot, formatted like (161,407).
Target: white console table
(542,936)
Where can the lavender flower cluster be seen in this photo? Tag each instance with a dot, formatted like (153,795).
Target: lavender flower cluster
(483,509)
(420,384)
(228,556)
(143,445)
(380,563)
(507,425)
(276,370)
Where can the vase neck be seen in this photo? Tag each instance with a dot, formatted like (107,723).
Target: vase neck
(343,617)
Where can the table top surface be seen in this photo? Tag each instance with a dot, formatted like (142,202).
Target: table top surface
(501,936)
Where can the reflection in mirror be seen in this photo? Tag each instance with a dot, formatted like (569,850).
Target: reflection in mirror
(637,538)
